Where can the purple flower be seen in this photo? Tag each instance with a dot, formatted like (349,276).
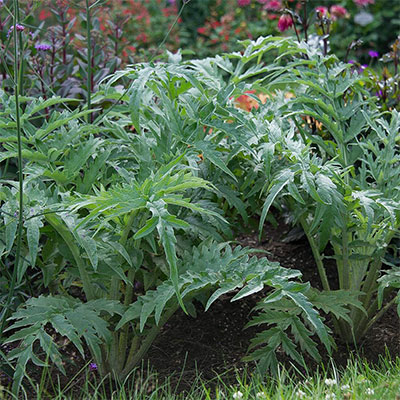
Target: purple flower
(42,46)
(352,62)
(373,54)
(93,367)
(19,28)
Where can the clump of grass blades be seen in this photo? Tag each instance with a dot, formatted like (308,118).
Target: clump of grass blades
(358,380)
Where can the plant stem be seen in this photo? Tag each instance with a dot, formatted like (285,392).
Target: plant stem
(372,310)
(347,274)
(89,59)
(64,35)
(123,336)
(115,281)
(17,85)
(19,44)
(316,254)
(305,20)
(136,356)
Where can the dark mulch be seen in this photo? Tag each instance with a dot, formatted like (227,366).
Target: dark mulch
(215,342)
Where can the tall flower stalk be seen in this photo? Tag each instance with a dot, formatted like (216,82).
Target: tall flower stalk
(89,58)
(17,89)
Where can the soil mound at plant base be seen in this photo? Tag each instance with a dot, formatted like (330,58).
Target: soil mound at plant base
(215,342)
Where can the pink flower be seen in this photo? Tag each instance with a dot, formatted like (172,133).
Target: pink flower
(18,27)
(338,12)
(285,22)
(272,5)
(362,3)
(321,10)
(42,47)
(243,3)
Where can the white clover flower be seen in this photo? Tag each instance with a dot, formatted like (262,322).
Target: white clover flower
(261,395)
(345,387)
(369,391)
(238,395)
(330,382)
(330,396)
(300,394)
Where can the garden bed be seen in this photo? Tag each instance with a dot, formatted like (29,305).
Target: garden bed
(214,343)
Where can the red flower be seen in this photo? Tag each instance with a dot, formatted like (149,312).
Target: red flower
(273,5)
(201,30)
(285,22)
(338,12)
(44,14)
(215,24)
(362,3)
(243,3)
(321,10)
(142,37)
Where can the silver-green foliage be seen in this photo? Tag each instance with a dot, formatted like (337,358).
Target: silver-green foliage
(338,173)
(213,268)
(121,215)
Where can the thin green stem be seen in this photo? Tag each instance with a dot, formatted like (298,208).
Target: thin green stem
(340,326)
(370,283)
(89,58)
(122,340)
(135,344)
(347,274)
(316,254)
(20,172)
(372,310)
(20,67)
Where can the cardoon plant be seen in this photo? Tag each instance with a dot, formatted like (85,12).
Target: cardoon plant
(333,160)
(128,220)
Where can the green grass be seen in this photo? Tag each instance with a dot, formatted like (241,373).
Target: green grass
(358,381)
